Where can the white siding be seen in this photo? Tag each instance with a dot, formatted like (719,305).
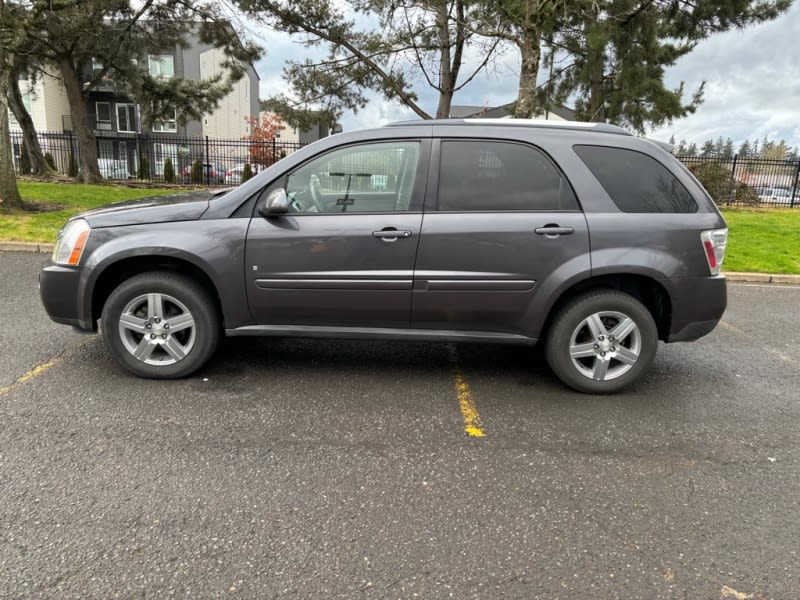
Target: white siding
(48,103)
(228,120)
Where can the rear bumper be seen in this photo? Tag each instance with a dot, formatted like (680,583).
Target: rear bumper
(62,290)
(698,304)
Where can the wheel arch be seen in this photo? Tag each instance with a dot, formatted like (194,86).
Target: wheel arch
(648,291)
(120,270)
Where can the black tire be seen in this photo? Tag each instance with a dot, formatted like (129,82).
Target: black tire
(145,344)
(602,364)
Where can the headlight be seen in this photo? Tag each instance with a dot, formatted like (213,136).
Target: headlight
(70,243)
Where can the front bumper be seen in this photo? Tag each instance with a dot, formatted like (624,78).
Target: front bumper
(698,304)
(62,290)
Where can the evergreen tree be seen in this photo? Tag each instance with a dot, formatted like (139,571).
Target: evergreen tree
(708,149)
(692,150)
(169,171)
(619,50)
(745,150)
(727,149)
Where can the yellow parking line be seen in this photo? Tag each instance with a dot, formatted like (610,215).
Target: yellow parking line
(39,369)
(776,353)
(472,420)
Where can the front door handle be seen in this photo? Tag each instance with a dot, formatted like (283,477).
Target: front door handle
(390,234)
(554,230)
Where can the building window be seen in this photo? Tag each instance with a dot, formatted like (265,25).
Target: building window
(162,152)
(103,110)
(126,118)
(162,65)
(166,126)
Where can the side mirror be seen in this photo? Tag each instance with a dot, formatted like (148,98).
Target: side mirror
(277,203)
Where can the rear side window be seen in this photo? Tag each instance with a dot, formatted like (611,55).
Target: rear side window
(636,182)
(500,176)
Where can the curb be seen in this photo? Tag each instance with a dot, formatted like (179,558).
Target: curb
(731,276)
(25,247)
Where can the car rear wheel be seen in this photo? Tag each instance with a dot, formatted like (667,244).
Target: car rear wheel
(160,325)
(601,342)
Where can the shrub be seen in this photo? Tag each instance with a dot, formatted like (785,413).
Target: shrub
(48,158)
(144,167)
(72,166)
(24,160)
(169,171)
(247,172)
(197,172)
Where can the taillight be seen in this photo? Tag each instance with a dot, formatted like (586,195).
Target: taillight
(714,242)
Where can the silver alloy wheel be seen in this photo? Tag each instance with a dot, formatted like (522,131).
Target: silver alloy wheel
(157,329)
(605,345)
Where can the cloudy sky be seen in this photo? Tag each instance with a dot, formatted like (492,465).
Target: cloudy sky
(752,84)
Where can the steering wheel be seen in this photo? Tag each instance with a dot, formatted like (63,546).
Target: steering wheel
(316,194)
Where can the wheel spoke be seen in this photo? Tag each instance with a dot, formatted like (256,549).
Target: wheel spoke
(627,356)
(582,350)
(155,306)
(133,323)
(596,326)
(623,329)
(174,348)
(181,322)
(600,369)
(144,349)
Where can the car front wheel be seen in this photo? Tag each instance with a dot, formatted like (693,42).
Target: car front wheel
(160,325)
(601,342)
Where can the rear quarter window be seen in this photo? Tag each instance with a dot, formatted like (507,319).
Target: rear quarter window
(636,182)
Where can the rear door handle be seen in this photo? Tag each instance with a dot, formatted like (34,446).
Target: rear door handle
(554,230)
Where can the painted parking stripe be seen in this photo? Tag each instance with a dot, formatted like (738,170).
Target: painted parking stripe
(469,412)
(39,369)
(776,353)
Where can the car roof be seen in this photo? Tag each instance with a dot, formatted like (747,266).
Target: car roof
(530,123)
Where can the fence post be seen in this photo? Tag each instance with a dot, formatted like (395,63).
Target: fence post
(796,179)
(732,199)
(274,151)
(207,160)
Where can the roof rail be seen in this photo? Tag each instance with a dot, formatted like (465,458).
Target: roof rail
(538,123)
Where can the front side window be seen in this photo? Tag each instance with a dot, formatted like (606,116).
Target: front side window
(364,178)
(636,182)
(126,118)
(162,65)
(485,175)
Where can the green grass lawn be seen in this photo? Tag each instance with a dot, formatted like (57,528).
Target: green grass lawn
(72,197)
(761,240)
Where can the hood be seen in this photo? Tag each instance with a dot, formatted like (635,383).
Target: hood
(186,206)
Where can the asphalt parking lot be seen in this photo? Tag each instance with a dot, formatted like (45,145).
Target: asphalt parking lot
(314,469)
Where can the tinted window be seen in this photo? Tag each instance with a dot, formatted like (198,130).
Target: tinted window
(495,176)
(637,183)
(364,178)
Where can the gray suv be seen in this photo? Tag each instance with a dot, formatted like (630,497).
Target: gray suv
(594,241)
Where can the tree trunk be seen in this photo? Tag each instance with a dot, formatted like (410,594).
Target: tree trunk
(39,167)
(446,86)
(9,193)
(597,100)
(87,144)
(530,52)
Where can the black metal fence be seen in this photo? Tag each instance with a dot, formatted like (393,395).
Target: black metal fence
(147,157)
(738,181)
(733,181)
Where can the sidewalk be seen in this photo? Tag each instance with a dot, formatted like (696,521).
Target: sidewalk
(732,276)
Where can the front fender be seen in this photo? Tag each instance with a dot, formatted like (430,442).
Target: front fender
(214,247)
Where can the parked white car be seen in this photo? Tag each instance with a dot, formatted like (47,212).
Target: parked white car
(234,175)
(113,169)
(776,196)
